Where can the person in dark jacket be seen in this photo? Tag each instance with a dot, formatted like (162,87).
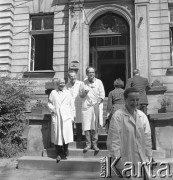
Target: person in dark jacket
(142,85)
(115,101)
(115,98)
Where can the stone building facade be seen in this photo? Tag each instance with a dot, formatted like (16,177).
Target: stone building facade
(45,36)
(39,39)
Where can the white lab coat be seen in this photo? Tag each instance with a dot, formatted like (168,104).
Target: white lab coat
(128,139)
(96,91)
(61,125)
(74,90)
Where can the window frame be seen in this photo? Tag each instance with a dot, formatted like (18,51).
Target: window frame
(38,32)
(42,24)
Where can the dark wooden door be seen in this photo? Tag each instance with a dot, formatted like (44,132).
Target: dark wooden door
(110,72)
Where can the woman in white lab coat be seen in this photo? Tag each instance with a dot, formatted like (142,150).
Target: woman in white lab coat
(129,136)
(62,110)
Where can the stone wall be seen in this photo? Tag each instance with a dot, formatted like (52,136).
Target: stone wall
(21,36)
(60,49)
(6,33)
(160,42)
(15,41)
(20,49)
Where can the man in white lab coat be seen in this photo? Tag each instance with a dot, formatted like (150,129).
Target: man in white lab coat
(73,87)
(92,93)
(62,110)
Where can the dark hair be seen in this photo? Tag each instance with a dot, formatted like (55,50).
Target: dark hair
(89,68)
(135,71)
(118,83)
(130,90)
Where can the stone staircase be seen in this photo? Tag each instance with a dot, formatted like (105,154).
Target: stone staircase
(77,161)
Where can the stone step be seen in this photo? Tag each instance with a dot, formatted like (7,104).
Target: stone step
(102,132)
(101,137)
(88,162)
(73,152)
(75,164)
(157,154)
(82,144)
(70,164)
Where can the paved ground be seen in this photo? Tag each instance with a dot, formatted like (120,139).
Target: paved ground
(44,175)
(16,174)
(8,171)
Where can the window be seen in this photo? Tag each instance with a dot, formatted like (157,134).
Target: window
(41,52)
(109,23)
(108,40)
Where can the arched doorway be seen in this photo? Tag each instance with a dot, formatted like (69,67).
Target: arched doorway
(109,43)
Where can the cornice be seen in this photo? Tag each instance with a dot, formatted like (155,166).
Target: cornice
(141,1)
(92,2)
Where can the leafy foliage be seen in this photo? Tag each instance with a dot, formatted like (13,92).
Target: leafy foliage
(14,95)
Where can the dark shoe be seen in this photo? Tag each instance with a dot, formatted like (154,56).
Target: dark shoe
(58,158)
(66,153)
(63,156)
(87,148)
(96,148)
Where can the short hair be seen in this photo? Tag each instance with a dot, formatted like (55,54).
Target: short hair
(89,68)
(130,90)
(57,81)
(118,83)
(71,71)
(135,71)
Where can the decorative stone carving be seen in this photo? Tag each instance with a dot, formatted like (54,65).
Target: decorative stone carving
(109,23)
(129,7)
(157,88)
(169,71)
(157,83)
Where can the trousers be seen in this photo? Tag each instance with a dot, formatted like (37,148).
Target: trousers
(91,137)
(61,149)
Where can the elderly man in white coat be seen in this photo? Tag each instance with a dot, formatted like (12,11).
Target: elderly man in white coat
(73,87)
(92,93)
(61,106)
(129,136)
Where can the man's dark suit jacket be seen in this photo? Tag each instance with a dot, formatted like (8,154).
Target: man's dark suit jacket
(141,84)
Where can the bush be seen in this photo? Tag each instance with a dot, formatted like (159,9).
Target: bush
(14,95)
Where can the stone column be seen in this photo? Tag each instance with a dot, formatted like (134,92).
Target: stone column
(74,49)
(142,37)
(75,35)
(85,59)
